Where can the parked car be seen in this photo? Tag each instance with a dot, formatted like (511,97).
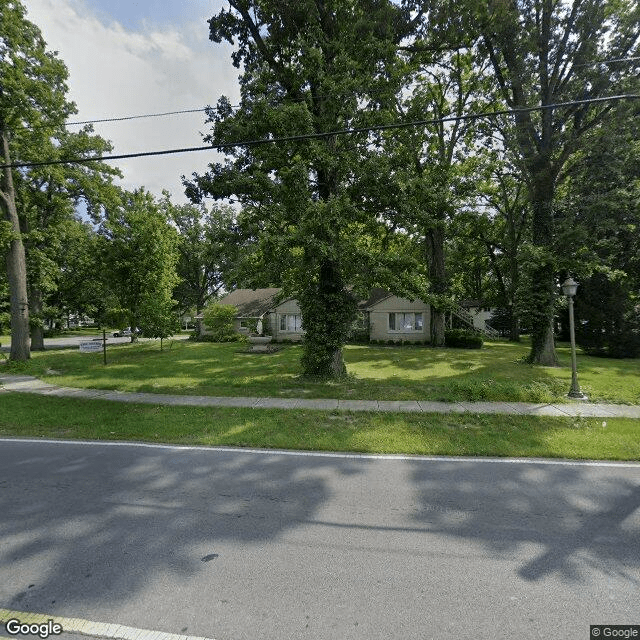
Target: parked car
(125,333)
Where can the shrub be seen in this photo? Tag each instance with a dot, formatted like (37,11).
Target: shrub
(462,339)
(233,337)
(218,319)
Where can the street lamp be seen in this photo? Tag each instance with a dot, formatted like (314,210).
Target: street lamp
(569,288)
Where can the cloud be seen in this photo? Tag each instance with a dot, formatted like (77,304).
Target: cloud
(118,72)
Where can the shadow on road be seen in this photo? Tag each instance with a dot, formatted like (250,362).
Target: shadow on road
(76,538)
(147,511)
(574,516)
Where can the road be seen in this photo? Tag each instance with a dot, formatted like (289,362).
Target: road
(67,342)
(240,545)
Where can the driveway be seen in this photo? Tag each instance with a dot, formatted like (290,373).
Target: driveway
(239,544)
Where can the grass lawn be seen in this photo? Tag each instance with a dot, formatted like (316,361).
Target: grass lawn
(427,434)
(376,372)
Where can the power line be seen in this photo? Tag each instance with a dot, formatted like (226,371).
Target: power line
(237,106)
(611,61)
(327,134)
(135,117)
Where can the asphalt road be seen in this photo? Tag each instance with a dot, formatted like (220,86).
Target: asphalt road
(239,545)
(67,342)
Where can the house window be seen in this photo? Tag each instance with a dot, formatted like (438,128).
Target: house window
(405,322)
(243,324)
(290,322)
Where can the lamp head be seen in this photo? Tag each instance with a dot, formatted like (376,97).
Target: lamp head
(569,287)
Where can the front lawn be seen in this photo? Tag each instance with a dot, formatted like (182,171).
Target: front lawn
(495,372)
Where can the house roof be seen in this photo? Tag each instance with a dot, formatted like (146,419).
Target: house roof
(375,296)
(471,302)
(252,303)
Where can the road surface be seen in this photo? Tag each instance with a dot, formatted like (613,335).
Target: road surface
(241,545)
(66,342)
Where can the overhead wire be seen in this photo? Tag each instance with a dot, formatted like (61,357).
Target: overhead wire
(326,134)
(237,106)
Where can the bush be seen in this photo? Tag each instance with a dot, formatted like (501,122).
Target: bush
(218,320)
(233,337)
(462,339)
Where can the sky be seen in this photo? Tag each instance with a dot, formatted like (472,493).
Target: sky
(130,57)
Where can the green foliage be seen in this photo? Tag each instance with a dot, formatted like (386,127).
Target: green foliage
(231,337)
(209,244)
(140,251)
(462,339)
(328,311)
(308,68)
(37,201)
(218,321)
(533,65)
(609,321)
(5,321)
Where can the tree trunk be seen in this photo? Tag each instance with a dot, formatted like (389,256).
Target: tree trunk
(328,311)
(543,293)
(514,326)
(37,331)
(16,265)
(435,244)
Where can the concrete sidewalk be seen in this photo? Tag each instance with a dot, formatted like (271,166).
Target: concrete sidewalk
(29,384)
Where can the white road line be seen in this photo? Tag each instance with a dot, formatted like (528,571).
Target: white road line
(87,627)
(332,454)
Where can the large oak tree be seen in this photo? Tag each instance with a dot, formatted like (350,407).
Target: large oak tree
(310,67)
(546,52)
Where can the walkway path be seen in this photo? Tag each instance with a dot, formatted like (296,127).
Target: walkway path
(29,384)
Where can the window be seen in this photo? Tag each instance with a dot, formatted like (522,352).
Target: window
(290,322)
(243,324)
(405,322)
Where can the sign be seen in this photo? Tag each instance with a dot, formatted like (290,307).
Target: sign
(91,347)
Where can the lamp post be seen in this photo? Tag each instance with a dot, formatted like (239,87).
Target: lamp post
(569,288)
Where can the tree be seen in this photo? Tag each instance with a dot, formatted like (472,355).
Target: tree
(140,253)
(82,283)
(218,319)
(501,226)
(441,158)
(309,68)
(209,247)
(33,107)
(48,197)
(598,222)
(545,52)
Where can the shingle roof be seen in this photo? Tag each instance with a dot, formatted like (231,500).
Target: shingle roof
(375,296)
(252,303)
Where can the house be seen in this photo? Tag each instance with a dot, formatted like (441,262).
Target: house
(265,311)
(479,314)
(382,316)
(397,319)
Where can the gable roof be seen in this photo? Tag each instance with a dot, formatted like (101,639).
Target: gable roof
(376,296)
(252,303)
